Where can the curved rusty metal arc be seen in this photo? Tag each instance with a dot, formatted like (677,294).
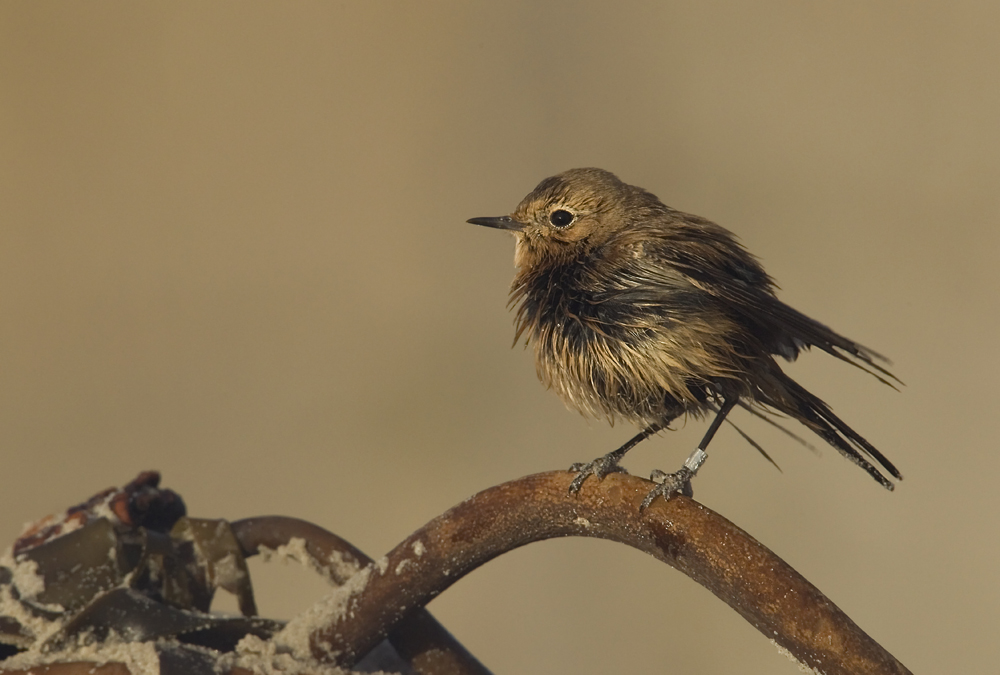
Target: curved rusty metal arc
(751,579)
(420,639)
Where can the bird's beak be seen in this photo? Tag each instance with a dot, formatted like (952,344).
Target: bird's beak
(499,222)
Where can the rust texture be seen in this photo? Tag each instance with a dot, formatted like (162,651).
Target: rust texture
(760,586)
(419,639)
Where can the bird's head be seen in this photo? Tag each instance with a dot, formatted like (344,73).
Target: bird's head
(566,216)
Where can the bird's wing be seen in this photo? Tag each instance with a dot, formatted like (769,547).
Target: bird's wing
(710,260)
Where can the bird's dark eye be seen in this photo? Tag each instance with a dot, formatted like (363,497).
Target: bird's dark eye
(561,218)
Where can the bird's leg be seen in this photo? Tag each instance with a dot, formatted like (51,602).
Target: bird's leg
(680,481)
(608,463)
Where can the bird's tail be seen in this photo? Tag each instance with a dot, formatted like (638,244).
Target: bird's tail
(787,396)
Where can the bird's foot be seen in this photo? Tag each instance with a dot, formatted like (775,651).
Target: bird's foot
(600,467)
(670,484)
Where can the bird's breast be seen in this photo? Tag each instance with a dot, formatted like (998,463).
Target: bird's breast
(609,358)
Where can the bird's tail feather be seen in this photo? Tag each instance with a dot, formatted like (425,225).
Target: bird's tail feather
(788,396)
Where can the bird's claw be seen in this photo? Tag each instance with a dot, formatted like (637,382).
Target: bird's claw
(600,467)
(670,484)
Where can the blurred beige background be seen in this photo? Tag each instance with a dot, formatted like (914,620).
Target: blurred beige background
(233,248)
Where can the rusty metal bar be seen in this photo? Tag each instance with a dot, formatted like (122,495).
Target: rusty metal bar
(419,639)
(752,580)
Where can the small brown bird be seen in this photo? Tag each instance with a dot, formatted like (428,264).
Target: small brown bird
(640,312)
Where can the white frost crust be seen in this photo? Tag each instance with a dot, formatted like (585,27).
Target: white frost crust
(295,550)
(294,637)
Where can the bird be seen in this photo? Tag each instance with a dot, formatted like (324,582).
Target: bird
(639,312)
